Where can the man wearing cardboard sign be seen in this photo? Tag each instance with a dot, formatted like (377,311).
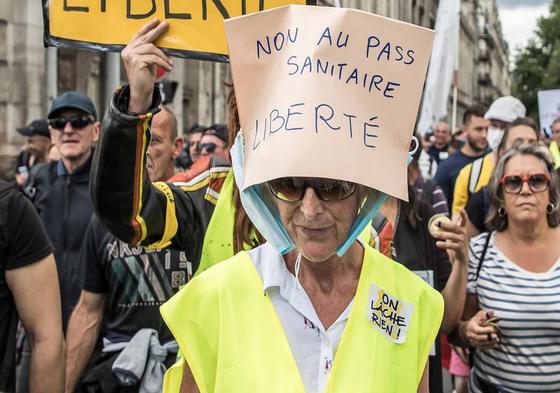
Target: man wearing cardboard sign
(317,216)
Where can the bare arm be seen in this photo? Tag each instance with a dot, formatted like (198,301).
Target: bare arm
(453,238)
(188,384)
(36,294)
(454,295)
(424,386)
(83,330)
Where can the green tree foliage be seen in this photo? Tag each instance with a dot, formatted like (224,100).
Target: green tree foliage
(537,67)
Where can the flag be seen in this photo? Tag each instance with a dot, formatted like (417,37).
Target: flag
(442,64)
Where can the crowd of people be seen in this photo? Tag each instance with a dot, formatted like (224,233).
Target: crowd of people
(111,220)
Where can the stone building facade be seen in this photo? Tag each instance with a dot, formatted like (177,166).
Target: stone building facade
(30,76)
(483,72)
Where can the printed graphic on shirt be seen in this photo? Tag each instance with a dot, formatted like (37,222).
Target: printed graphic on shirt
(147,278)
(389,315)
(308,325)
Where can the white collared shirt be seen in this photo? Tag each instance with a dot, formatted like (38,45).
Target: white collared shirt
(312,346)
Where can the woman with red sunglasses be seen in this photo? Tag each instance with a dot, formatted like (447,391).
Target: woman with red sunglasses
(512,308)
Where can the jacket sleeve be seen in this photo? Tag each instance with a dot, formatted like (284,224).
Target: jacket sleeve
(155,215)
(461,192)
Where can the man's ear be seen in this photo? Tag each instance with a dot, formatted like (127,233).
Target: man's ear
(52,132)
(96,130)
(178,145)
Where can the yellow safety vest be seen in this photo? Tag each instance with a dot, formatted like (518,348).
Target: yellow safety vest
(555,154)
(233,340)
(218,239)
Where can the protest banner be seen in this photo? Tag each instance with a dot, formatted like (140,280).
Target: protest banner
(344,81)
(549,109)
(196,27)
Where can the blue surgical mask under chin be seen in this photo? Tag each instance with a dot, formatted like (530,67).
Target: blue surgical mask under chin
(371,206)
(259,209)
(265,217)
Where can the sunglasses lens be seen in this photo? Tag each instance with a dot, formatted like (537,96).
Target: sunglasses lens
(209,147)
(288,189)
(79,121)
(333,190)
(58,123)
(538,183)
(513,184)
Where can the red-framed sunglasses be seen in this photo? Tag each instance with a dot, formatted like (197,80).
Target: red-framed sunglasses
(537,182)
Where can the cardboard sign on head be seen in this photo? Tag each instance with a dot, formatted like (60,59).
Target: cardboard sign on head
(327,92)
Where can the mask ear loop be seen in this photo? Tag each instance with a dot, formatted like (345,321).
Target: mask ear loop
(412,152)
(370,209)
(296,269)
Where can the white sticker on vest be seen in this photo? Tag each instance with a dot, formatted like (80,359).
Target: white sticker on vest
(389,315)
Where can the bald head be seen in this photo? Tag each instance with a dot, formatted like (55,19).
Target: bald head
(167,121)
(165,146)
(442,134)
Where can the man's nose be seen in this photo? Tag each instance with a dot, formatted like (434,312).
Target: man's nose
(68,127)
(311,205)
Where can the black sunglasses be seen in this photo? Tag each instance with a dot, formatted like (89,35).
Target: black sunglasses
(77,122)
(209,147)
(292,189)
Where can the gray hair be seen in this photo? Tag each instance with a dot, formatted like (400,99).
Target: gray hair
(496,193)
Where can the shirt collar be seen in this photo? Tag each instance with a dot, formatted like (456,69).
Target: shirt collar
(275,273)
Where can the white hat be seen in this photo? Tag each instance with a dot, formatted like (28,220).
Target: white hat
(506,109)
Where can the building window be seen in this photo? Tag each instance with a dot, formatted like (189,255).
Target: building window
(3,41)
(66,64)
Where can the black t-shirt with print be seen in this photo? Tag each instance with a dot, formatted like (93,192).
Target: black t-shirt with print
(134,280)
(23,241)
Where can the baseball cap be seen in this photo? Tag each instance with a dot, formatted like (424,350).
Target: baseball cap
(36,127)
(73,100)
(219,130)
(505,109)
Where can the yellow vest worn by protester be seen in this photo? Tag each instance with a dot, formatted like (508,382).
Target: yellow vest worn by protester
(218,240)
(233,340)
(555,153)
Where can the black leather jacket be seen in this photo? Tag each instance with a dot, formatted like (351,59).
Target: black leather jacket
(64,205)
(137,211)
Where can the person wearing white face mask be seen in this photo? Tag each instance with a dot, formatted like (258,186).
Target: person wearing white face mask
(475,175)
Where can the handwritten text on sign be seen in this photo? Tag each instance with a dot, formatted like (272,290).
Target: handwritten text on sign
(389,315)
(342,82)
(324,114)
